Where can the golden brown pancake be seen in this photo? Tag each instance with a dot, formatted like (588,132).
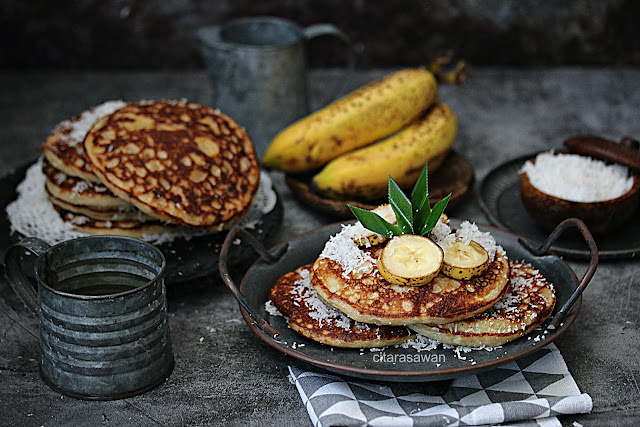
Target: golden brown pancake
(296,299)
(176,161)
(119,214)
(528,302)
(115,228)
(362,294)
(64,148)
(77,191)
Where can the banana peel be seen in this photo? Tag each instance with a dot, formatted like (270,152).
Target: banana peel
(363,174)
(360,118)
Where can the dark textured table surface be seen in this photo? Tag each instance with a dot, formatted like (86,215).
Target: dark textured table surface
(224,374)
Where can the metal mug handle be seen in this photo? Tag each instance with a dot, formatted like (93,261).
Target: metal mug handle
(593,262)
(318,30)
(270,257)
(16,277)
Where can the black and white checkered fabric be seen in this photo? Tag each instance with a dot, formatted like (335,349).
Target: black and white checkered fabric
(530,391)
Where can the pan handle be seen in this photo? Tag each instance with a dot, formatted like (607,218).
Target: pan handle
(256,318)
(593,262)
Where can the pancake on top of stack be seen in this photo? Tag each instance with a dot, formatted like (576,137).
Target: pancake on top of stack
(149,167)
(506,301)
(176,161)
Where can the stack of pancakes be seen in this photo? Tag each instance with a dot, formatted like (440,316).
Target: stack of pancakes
(149,167)
(343,294)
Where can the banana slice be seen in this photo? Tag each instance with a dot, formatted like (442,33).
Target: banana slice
(410,260)
(369,238)
(465,260)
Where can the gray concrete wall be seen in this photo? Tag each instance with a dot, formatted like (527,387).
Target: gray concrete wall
(150,34)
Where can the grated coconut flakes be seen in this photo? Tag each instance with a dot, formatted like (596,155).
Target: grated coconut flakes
(577,178)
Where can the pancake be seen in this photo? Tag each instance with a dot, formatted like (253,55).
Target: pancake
(296,299)
(119,214)
(528,302)
(176,161)
(355,287)
(77,191)
(64,148)
(115,228)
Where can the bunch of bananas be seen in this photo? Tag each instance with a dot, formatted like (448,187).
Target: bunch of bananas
(389,127)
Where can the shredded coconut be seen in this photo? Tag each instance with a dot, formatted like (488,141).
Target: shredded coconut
(466,232)
(440,231)
(577,178)
(342,249)
(420,343)
(60,177)
(423,343)
(303,292)
(271,309)
(87,119)
(80,187)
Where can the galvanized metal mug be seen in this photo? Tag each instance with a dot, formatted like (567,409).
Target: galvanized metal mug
(102,311)
(257,67)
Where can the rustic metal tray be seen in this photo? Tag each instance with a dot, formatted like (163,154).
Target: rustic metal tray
(188,260)
(254,288)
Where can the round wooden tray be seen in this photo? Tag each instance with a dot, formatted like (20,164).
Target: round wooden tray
(455,176)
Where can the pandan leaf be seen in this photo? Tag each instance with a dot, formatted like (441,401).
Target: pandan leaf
(434,216)
(414,216)
(420,200)
(374,222)
(401,206)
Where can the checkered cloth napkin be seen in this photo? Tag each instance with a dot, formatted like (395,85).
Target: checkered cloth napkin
(530,391)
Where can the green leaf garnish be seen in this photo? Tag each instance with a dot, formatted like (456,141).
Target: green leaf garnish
(401,207)
(434,215)
(374,222)
(420,200)
(414,216)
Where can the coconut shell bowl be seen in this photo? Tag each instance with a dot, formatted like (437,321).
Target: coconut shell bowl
(600,216)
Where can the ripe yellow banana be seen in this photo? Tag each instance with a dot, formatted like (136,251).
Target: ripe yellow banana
(358,119)
(364,173)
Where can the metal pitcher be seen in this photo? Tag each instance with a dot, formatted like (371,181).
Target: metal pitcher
(102,313)
(257,67)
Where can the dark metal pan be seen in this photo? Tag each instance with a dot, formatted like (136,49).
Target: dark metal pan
(402,364)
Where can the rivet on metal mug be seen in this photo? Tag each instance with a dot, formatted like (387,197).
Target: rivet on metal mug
(102,310)
(257,67)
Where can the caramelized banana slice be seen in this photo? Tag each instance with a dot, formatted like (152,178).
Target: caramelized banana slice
(410,260)
(465,260)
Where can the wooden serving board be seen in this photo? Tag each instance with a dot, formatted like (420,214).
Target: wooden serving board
(454,176)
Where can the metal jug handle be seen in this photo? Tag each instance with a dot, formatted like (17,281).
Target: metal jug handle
(318,30)
(270,257)
(593,262)
(16,277)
